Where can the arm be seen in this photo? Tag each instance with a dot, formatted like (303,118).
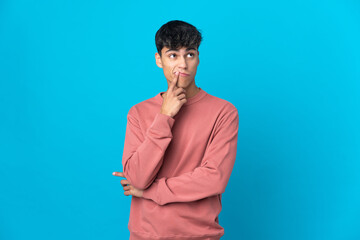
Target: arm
(143,155)
(211,177)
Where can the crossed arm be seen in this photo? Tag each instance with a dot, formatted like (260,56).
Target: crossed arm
(204,181)
(143,153)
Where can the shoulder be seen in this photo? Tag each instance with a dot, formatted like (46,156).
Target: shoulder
(144,107)
(224,113)
(222,106)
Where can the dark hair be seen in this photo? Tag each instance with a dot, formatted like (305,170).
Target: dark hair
(176,34)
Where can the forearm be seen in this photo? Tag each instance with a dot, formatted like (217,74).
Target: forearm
(143,156)
(201,183)
(209,179)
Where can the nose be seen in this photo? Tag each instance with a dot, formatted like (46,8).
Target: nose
(182,62)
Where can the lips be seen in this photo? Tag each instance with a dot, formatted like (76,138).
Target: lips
(184,74)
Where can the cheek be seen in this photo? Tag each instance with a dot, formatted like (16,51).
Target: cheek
(195,65)
(168,65)
(168,73)
(170,68)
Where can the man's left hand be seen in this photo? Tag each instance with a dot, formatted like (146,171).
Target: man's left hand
(128,188)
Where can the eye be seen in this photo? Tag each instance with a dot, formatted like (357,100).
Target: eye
(191,54)
(172,55)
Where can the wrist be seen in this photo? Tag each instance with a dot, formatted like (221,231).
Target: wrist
(165,113)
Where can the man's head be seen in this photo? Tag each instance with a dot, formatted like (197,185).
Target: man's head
(177,44)
(176,34)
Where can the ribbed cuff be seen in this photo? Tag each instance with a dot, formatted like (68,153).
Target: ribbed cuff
(162,125)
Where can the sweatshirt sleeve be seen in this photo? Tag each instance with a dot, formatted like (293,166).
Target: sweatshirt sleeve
(143,155)
(208,179)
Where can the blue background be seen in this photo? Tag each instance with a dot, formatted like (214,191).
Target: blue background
(70,71)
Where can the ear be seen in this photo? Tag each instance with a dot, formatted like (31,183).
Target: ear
(158,60)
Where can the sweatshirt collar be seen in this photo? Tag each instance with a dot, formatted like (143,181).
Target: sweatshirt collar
(190,101)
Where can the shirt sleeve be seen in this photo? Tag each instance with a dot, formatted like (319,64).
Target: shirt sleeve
(143,155)
(208,179)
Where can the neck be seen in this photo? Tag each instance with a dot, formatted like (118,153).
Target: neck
(191,91)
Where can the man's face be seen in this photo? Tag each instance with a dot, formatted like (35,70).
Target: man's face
(183,60)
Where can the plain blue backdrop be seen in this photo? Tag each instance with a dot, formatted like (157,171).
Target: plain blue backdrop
(70,71)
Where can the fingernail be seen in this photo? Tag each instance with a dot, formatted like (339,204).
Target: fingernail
(113,173)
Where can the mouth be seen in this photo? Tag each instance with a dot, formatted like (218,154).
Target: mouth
(184,74)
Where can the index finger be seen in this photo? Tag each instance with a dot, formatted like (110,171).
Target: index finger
(118,174)
(174,81)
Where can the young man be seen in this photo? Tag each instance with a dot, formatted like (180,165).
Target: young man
(180,148)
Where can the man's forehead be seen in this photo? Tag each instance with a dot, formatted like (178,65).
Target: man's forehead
(167,49)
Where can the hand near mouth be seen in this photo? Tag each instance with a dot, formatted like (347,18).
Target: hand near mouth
(174,99)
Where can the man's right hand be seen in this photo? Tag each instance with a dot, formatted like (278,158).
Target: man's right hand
(175,98)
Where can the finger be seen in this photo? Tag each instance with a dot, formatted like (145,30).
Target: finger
(128,193)
(181,96)
(126,188)
(180,90)
(124,182)
(118,174)
(174,81)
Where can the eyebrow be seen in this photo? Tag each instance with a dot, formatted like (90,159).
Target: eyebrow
(177,50)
